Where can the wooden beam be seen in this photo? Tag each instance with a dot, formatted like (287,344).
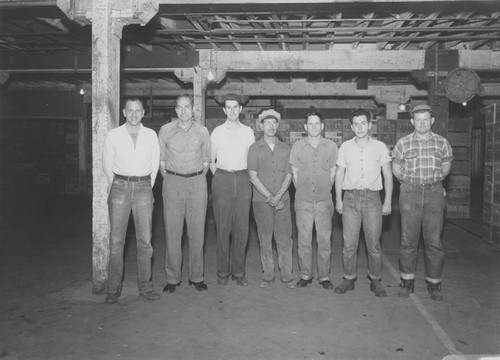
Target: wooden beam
(106,35)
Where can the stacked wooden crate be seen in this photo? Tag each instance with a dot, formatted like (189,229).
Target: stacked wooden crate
(491,207)
(458,182)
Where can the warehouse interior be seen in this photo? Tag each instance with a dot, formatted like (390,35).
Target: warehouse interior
(67,65)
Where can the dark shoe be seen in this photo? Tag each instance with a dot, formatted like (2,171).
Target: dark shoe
(435,291)
(112,298)
(376,287)
(150,295)
(222,281)
(200,286)
(170,288)
(327,284)
(406,288)
(347,284)
(303,283)
(240,280)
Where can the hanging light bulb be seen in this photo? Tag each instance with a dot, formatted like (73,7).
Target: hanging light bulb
(82,92)
(402,107)
(210,75)
(464,103)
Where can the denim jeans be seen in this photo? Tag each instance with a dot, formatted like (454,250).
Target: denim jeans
(421,206)
(320,214)
(278,222)
(124,197)
(184,198)
(232,195)
(362,207)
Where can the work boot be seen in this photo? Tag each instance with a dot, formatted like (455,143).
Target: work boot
(406,288)
(376,287)
(347,284)
(435,291)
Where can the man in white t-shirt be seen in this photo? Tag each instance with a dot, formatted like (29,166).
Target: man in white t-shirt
(231,191)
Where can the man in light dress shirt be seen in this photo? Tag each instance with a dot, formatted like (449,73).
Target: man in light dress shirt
(185,156)
(131,157)
(313,166)
(359,167)
(231,191)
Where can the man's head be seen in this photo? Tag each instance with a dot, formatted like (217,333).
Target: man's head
(314,124)
(361,122)
(232,106)
(133,111)
(269,121)
(184,107)
(422,119)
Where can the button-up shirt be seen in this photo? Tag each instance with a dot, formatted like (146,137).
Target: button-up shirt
(363,164)
(184,150)
(272,166)
(314,167)
(422,161)
(121,157)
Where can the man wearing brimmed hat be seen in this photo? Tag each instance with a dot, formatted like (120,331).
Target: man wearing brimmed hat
(270,173)
(421,161)
(231,191)
(131,157)
(185,156)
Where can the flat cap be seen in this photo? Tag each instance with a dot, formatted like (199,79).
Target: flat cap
(421,107)
(269,114)
(233,97)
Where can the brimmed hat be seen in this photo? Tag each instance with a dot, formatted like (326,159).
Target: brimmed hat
(269,114)
(233,97)
(421,107)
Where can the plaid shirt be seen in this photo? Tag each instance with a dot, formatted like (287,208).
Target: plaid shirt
(422,161)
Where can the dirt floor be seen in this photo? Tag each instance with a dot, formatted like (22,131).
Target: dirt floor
(47,309)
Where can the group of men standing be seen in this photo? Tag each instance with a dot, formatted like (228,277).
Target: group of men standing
(184,151)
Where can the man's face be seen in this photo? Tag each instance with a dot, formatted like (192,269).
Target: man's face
(361,126)
(313,126)
(133,112)
(232,110)
(422,122)
(184,109)
(269,127)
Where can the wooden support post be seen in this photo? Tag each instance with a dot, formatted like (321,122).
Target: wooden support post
(441,109)
(199,89)
(106,35)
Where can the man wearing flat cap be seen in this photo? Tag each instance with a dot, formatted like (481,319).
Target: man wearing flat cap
(421,161)
(231,191)
(271,174)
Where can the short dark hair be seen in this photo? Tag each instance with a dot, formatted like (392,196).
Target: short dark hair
(314,113)
(421,112)
(133,99)
(187,96)
(360,112)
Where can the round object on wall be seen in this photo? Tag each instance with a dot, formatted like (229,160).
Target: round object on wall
(461,85)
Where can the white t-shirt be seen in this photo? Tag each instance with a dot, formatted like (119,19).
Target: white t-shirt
(232,146)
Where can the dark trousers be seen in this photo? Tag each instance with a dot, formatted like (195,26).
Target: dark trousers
(232,193)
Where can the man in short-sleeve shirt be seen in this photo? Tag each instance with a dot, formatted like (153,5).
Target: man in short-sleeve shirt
(421,161)
(231,191)
(360,164)
(271,174)
(313,166)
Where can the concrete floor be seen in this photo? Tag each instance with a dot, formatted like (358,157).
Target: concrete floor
(47,309)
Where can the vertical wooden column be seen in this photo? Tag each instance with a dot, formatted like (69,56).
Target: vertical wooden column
(441,109)
(106,35)
(199,91)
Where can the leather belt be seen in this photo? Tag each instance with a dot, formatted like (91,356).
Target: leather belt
(133,178)
(232,171)
(185,175)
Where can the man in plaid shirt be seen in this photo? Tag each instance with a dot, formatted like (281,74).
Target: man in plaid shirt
(421,161)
